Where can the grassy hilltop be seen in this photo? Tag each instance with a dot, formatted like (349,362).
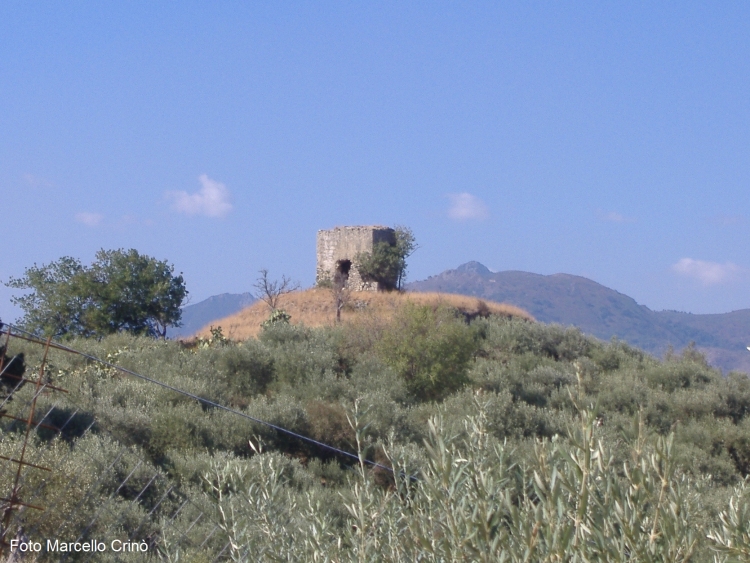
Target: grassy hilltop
(315,308)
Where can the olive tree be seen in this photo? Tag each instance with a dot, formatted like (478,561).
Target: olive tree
(121,291)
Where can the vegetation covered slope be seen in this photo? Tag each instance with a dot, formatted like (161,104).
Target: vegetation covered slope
(603,312)
(508,439)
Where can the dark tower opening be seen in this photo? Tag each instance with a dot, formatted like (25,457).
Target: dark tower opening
(342,271)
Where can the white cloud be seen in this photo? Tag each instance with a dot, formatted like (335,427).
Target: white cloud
(36,181)
(708,273)
(465,206)
(89,219)
(614,217)
(728,220)
(211,200)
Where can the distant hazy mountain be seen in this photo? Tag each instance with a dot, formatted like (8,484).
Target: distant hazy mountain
(603,312)
(195,317)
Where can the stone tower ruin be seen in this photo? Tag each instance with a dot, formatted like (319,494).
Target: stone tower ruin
(337,249)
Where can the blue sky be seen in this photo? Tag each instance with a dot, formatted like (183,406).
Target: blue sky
(608,140)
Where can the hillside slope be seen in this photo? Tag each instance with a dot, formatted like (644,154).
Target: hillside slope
(602,312)
(315,307)
(198,315)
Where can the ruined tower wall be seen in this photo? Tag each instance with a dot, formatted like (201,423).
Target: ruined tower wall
(337,246)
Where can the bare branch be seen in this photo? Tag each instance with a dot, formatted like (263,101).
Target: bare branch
(269,291)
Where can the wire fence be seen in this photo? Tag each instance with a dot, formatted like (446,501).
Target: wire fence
(73,491)
(130,510)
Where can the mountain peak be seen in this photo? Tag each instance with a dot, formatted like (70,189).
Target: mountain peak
(600,311)
(474,267)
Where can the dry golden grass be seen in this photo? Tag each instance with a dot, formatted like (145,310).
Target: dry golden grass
(315,307)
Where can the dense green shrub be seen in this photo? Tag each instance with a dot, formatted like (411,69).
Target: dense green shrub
(430,348)
(514,337)
(386,264)
(246,370)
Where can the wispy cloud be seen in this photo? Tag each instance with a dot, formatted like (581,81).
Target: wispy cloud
(708,273)
(728,220)
(35,181)
(465,206)
(212,200)
(614,217)
(89,219)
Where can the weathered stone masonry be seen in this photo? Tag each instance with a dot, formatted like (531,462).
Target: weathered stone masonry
(337,249)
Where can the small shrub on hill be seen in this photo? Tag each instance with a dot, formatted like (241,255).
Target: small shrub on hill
(246,370)
(430,348)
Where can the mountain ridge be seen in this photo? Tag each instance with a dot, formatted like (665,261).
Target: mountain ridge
(198,315)
(601,311)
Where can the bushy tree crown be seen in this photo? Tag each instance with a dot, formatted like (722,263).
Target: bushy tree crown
(386,264)
(121,291)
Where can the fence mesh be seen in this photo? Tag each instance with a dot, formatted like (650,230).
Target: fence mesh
(73,491)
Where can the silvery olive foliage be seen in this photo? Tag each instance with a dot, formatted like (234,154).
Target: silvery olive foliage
(470,501)
(541,444)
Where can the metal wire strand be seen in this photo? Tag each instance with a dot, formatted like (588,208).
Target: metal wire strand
(208,402)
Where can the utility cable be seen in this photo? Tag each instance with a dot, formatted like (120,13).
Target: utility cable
(208,402)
